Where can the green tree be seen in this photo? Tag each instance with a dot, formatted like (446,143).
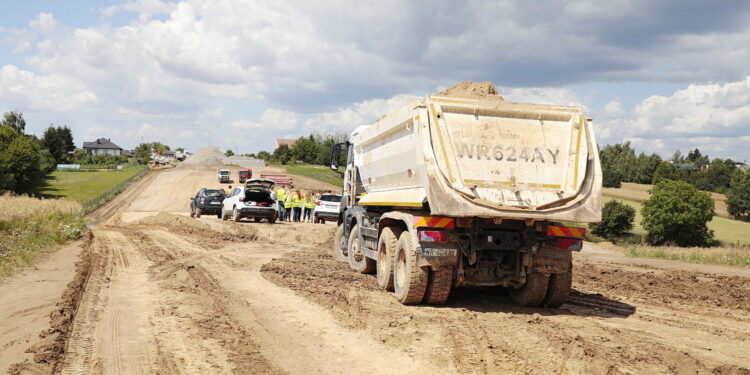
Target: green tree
(678,213)
(667,171)
(618,164)
(143,151)
(617,219)
(15,120)
(264,155)
(282,154)
(19,161)
(229,153)
(738,196)
(52,141)
(716,177)
(305,149)
(646,167)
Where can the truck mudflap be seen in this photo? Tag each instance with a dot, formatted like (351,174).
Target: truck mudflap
(549,261)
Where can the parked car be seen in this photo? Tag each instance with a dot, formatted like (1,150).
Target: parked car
(244,175)
(253,200)
(223,175)
(206,201)
(327,208)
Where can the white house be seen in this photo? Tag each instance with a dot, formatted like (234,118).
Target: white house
(102,146)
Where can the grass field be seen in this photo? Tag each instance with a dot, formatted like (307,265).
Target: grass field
(83,186)
(729,232)
(31,226)
(318,172)
(731,255)
(640,192)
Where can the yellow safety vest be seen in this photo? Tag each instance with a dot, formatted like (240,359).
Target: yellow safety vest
(281,195)
(296,201)
(310,203)
(288,201)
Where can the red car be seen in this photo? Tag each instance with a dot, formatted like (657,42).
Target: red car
(245,175)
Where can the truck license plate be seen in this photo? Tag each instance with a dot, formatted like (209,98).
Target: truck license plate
(437,252)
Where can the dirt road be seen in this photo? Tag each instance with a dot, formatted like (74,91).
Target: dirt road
(159,292)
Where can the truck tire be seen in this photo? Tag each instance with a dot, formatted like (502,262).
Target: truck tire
(357,260)
(338,252)
(236,215)
(533,292)
(198,212)
(439,285)
(558,290)
(409,280)
(387,245)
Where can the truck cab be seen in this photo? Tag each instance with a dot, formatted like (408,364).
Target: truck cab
(224,176)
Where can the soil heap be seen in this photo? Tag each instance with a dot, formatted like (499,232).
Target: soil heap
(472,90)
(206,156)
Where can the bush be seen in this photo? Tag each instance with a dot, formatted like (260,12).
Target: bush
(617,219)
(677,213)
(738,196)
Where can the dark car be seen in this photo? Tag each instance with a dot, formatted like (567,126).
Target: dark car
(206,201)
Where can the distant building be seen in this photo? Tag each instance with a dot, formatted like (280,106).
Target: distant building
(102,146)
(742,166)
(285,141)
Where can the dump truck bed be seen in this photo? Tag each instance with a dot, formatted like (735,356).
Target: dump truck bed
(486,158)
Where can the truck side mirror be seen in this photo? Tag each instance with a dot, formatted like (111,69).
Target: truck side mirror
(335,152)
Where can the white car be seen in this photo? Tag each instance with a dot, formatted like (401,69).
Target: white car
(327,208)
(252,200)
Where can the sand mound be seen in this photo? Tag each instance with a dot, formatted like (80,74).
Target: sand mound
(473,90)
(206,156)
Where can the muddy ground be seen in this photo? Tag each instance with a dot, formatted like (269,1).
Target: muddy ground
(155,291)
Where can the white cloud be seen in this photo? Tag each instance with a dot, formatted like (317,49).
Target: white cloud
(272,119)
(365,112)
(711,117)
(24,89)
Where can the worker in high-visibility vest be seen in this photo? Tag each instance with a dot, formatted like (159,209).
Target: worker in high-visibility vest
(288,206)
(297,205)
(280,198)
(309,206)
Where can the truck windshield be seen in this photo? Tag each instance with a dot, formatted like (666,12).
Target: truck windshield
(224,172)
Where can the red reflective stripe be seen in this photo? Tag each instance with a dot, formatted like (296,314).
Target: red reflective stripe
(433,221)
(558,231)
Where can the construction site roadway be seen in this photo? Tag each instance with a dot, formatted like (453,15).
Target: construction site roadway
(152,291)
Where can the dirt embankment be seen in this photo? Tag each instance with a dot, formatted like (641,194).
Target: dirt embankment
(618,321)
(472,90)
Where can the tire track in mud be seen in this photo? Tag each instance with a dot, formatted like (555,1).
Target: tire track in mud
(597,332)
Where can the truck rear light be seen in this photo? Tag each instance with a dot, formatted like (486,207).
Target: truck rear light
(568,244)
(432,236)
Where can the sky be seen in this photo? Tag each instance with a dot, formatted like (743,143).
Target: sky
(665,75)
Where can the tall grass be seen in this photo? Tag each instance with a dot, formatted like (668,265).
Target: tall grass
(31,226)
(731,255)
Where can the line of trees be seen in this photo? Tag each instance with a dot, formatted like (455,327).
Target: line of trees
(312,149)
(24,158)
(620,164)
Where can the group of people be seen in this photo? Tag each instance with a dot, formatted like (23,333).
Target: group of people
(293,205)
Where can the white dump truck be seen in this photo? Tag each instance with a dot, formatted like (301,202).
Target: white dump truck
(448,192)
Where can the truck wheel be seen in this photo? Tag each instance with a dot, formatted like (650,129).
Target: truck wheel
(387,245)
(236,215)
(198,212)
(338,252)
(533,292)
(357,260)
(558,290)
(439,286)
(409,280)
